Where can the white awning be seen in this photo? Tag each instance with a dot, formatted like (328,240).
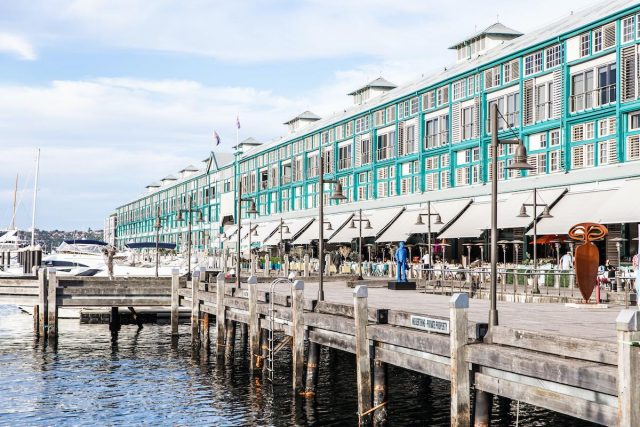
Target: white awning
(311,233)
(379,219)
(622,206)
(477,217)
(262,231)
(295,226)
(405,225)
(583,206)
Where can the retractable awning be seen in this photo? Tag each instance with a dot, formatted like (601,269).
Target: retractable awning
(295,227)
(604,206)
(379,219)
(477,217)
(311,233)
(405,225)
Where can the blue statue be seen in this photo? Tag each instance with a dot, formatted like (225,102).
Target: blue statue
(401,258)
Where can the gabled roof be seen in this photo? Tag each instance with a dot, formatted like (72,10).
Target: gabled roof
(307,115)
(377,83)
(153,185)
(189,168)
(169,178)
(496,29)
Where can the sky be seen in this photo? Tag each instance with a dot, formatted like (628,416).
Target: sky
(119,93)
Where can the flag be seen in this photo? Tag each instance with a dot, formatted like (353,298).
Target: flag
(216,138)
(238,121)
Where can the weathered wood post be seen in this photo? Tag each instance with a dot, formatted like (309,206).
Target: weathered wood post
(267,265)
(483,404)
(297,350)
(306,267)
(285,265)
(313,362)
(52,305)
(252,264)
(459,336)
(204,334)
(220,317)
(264,350)
(628,327)
(379,392)
(363,363)
(175,301)
(43,293)
(114,320)
(254,323)
(230,340)
(195,308)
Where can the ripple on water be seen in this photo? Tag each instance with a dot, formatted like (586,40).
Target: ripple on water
(142,379)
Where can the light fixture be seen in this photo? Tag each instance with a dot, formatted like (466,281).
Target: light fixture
(545,213)
(352,224)
(285,230)
(337,193)
(438,220)
(523,212)
(329,227)
(520,159)
(368,227)
(419,221)
(255,232)
(252,207)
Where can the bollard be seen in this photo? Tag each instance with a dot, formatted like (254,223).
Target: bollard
(267,265)
(254,323)
(363,363)
(285,265)
(220,315)
(297,349)
(306,265)
(628,331)
(43,293)
(459,336)
(52,305)
(195,308)
(175,301)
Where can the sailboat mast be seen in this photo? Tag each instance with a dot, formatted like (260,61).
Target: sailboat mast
(15,193)
(35,194)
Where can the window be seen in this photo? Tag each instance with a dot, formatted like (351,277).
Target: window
(543,141)
(607,84)
(363,124)
(437,131)
(458,90)
(633,147)
(554,161)
(533,63)
(607,152)
(607,127)
(588,130)
(544,96)
(634,121)
(385,146)
(429,100)
(554,138)
(582,90)
(492,77)
(585,41)
(628,29)
(415,106)
(344,157)
(511,71)
(471,89)
(391,114)
(443,95)
(597,40)
(468,122)
(554,56)
(513,109)
(366,152)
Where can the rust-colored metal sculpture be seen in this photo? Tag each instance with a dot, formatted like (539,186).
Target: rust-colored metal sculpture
(586,255)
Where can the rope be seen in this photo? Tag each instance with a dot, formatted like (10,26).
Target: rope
(364,414)
(517,413)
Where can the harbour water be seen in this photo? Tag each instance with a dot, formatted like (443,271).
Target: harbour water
(145,379)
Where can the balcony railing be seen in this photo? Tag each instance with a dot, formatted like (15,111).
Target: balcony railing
(285,179)
(437,140)
(312,172)
(593,98)
(385,153)
(344,163)
(407,147)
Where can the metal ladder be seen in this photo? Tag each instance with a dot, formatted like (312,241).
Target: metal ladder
(273,348)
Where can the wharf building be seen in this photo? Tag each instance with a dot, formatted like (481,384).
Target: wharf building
(570,91)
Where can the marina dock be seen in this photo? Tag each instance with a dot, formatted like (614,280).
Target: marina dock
(583,362)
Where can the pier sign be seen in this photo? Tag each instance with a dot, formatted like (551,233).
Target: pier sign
(430,324)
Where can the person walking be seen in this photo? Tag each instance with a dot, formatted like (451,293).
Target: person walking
(635,263)
(566,262)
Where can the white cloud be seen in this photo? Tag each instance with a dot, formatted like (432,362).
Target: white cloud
(16,45)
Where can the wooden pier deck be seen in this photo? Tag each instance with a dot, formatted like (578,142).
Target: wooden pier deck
(580,362)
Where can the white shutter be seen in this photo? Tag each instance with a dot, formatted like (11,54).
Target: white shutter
(628,74)
(401,139)
(455,123)
(528,102)
(556,96)
(613,151)
(577,157)
(633,147)
(609,35)
(577,132)
(533,161)
(476,118)
(358,151)
(515,69)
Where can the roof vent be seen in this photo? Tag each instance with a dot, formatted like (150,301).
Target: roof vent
(371,90)
(301,120)
(479,43)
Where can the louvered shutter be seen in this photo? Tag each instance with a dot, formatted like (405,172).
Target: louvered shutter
(612,126)
(577,157)
(577,133)
(609,35)
(556,96)
(401,140)
(476,118)
(528,102)
(515,70)
(358,151)
(633,147)
(459,176)
(455,123)
(628,73)
(533,161)
(613,151)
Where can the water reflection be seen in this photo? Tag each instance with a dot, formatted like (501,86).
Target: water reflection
(145,376)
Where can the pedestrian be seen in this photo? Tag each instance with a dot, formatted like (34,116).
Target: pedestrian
(566,262)
(337,260)
(426,261)
(635,263)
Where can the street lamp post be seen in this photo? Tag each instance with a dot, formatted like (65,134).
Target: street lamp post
(368,227)
(251,210)
(281,246)
(545,214)
(189,212)
(336,196)
(438,221)
(519,163)
(157,226)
